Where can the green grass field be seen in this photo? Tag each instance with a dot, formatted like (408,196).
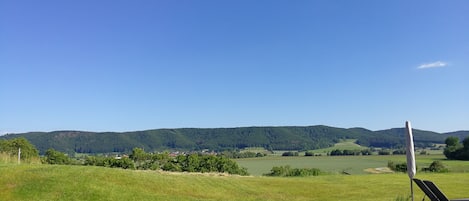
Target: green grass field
(349,144)
(51,182)
(338,164)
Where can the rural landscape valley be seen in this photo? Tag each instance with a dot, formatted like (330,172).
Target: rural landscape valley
(363,173)
(221,100)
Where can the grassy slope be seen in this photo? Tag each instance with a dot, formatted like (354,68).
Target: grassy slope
(349,144)
(47,182)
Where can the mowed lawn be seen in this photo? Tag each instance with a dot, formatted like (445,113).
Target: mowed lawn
(52,182)
(339,164)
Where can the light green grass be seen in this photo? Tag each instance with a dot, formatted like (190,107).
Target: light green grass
(6,158)
(338,164)
(348,144)
(47,182)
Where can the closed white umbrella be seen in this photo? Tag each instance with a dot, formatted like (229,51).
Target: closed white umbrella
(411,169)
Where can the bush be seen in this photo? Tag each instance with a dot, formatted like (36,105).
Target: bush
(397,167)
(125,163)
(436,166)
(309,153)
(56,157)
(28,150)
(399,152)
(290,153)
(456,150)
(287,171)
(384,152)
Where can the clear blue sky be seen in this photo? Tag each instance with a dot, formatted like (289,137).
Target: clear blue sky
(114,65)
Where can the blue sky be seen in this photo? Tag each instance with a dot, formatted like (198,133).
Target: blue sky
(136,65)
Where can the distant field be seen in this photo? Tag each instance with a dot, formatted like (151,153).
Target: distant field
(49,182)
(348,144)
(338,164)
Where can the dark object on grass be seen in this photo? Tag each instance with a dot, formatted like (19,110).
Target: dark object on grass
(433,192)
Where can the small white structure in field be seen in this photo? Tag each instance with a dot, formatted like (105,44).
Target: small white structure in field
(19,155)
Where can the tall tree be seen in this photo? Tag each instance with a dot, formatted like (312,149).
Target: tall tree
(12,147)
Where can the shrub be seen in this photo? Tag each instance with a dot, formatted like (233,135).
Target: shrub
(456,150)
(287,171)
(290,153)
(125,163)
(399,152)
(11,146)
(397,167)
(384,152)
(437,166)
(56,157)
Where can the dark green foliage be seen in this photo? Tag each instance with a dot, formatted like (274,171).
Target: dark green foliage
(203,163)
(94,161)
(384,152)
(437,166)
(287,171)
(345,152)
(399,152)
(219,139)
(397,167)
(456,150)
(139,159)
(452,141)
(55,157)
(246,154)
(290,153)
(309,153)
(366,152)
(11,146)
(125,163)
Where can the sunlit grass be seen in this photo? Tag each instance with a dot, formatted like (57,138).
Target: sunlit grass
(6,158)
(48,182)
(349,164)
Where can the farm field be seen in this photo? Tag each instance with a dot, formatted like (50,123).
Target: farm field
(349,144)
(339,164)
(52,182)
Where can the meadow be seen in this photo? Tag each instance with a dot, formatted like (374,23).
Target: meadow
(56,182)
(35,181)
(340,164)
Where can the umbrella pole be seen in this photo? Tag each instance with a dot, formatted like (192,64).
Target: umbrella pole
(411,189)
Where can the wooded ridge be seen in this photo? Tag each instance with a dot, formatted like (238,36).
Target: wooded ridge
(272,138)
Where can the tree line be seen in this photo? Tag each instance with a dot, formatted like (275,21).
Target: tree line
(456,150)
(138,159)
(220,139)
(141,160)
(287,171)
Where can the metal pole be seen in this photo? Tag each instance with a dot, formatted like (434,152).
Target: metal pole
(412,189)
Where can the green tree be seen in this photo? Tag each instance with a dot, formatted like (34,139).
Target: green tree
(309,153)
(455,150)
(56,157)
(11,147)
(465,143)
(437,166)
(138,155)
(452,141)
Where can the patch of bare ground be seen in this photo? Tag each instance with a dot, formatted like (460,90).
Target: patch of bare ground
(379,170)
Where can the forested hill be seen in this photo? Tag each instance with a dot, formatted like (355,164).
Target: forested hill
(275,138)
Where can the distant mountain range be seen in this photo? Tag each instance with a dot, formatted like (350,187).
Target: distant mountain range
(273,138)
